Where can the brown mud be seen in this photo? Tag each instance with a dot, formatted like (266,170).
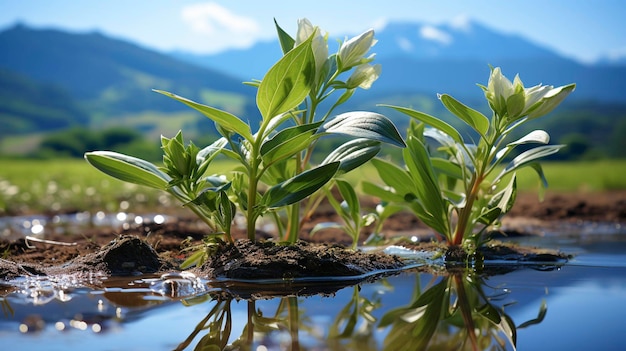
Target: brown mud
(152,248)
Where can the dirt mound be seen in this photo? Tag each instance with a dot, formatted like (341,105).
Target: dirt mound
(152,248)
(126,255)
(263,260)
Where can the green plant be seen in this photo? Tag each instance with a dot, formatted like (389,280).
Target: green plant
(454,313)
(275,171)
(451,185)
(349,210)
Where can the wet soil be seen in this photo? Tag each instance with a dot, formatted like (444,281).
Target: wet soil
(155,248)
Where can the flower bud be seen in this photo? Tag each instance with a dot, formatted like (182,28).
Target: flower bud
(551,100)
(318,45)
(352,52)
(364,76)
(510,100)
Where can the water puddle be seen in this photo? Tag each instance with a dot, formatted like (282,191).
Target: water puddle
(37,225)
(525,306)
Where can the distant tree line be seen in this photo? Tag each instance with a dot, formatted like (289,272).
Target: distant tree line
(74,142)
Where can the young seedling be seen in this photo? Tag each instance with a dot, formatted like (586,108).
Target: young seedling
(275,173)
(460,189)
(350,212)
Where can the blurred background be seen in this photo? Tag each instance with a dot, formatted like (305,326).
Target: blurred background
(77,76)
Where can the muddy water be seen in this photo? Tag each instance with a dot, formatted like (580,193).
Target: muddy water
(576,306)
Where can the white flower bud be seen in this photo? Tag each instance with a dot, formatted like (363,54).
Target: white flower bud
(352,52)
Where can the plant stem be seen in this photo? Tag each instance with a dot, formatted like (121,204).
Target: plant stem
(466,310)
(484,147)
(293,323)
(252,189)
(293,224)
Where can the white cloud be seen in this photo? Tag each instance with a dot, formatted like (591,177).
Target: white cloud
(461,22)
(222,26)
(380,23)
(435,34)
(617,54)
(404,44)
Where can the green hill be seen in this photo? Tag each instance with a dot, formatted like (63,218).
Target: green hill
(109,76)
(28,106)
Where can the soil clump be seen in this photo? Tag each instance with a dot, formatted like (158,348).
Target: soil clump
(246,259)
(156,248)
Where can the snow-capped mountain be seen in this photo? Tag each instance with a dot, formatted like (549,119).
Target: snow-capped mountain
(450,57)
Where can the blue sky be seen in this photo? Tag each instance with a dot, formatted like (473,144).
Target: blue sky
(581,29)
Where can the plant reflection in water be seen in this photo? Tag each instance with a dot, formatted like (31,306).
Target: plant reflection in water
(454,313)
(451,312)
(218,323)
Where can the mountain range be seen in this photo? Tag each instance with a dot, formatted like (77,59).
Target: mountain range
(450,58)
(51,79)
(111,77)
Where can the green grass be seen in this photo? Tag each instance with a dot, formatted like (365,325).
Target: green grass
(581,176)
(34,186)
(40,186)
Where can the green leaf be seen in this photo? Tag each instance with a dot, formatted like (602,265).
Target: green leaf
(194,259)
(501,203)
(299,187)
(288,142)
(542,178)
(447,167)
(508,195)
(288,82)
(227,210)
(209,152)
(394,176)
(473,118)
(349,195)
(279,171)
(129,169)
(543,310)
(527,157)
(286,41)
(547,104)
(325,225)
(369,125)
(353,154)
(381,193)
(536,136)
(226,120)
(209,196)
(413,327)
(428,192)
(515,104)
(175,152)
(431,121)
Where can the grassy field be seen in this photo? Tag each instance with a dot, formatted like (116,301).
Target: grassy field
(578,176)
(30,186)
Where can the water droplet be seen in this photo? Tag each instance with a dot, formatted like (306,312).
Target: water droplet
(37,229)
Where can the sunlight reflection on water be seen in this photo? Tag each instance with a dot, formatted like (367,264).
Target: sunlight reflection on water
(66,223)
